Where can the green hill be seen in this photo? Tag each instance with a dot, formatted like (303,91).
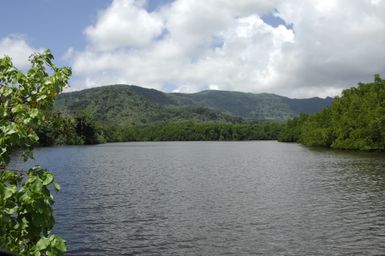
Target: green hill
(261,106)
(132,105)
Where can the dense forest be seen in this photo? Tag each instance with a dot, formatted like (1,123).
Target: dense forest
(192,131)
(126,105)
(132,113)
(355,120)
(61,129)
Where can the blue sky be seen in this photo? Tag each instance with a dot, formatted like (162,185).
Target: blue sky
(187,46)
(52,24)
(59,25)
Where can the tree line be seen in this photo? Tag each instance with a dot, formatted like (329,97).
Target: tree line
(198,131)
(355,120)
(81,128)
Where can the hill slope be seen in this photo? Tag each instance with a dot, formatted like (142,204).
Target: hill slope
(133,105)
(261,106)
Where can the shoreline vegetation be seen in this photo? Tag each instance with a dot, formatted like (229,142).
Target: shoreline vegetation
(62,129)
(354,121)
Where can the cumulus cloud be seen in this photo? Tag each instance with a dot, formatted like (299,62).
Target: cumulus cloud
(338,43)
(227,45)
(124,23)
(18,49)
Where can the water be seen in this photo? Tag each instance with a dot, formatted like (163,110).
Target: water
(217,198)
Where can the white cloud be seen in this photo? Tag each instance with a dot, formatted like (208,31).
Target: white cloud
(338,43)
(224,44)
(18,49)
(124,24)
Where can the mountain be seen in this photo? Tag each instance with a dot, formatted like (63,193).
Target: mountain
(261,106)
(134,105)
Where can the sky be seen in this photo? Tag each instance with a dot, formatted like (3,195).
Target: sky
(295,48)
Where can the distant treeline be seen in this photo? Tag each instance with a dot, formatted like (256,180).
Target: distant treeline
(356,121)
(198,131)
(62,129)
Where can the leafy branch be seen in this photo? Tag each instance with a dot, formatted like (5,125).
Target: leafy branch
(26,213)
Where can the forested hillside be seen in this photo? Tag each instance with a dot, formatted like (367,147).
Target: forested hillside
(263,106)
(125,105)
(122,105)
(356,120)
(133,113)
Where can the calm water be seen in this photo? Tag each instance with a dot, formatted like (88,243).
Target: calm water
(217,198)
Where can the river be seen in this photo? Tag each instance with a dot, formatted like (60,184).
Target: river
(217,198)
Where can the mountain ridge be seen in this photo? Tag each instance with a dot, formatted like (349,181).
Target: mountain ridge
(134,105)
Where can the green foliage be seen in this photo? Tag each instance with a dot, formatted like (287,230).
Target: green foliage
(317,131)
(123,105)
(26,217)
(356,120)
(245,105)
(129,113)
(63,129)
(87,129)
(58,129)
(292,130)
(130,106)
(193,131)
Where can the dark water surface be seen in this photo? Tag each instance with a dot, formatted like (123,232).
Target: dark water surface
(217,198)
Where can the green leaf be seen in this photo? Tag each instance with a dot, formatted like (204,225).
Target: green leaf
(10,130)
(43,243)
(9,191)
(59,244)
(56,186)
(33,112)
(10,211)
(42,97)
(48,179)
(17,108)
